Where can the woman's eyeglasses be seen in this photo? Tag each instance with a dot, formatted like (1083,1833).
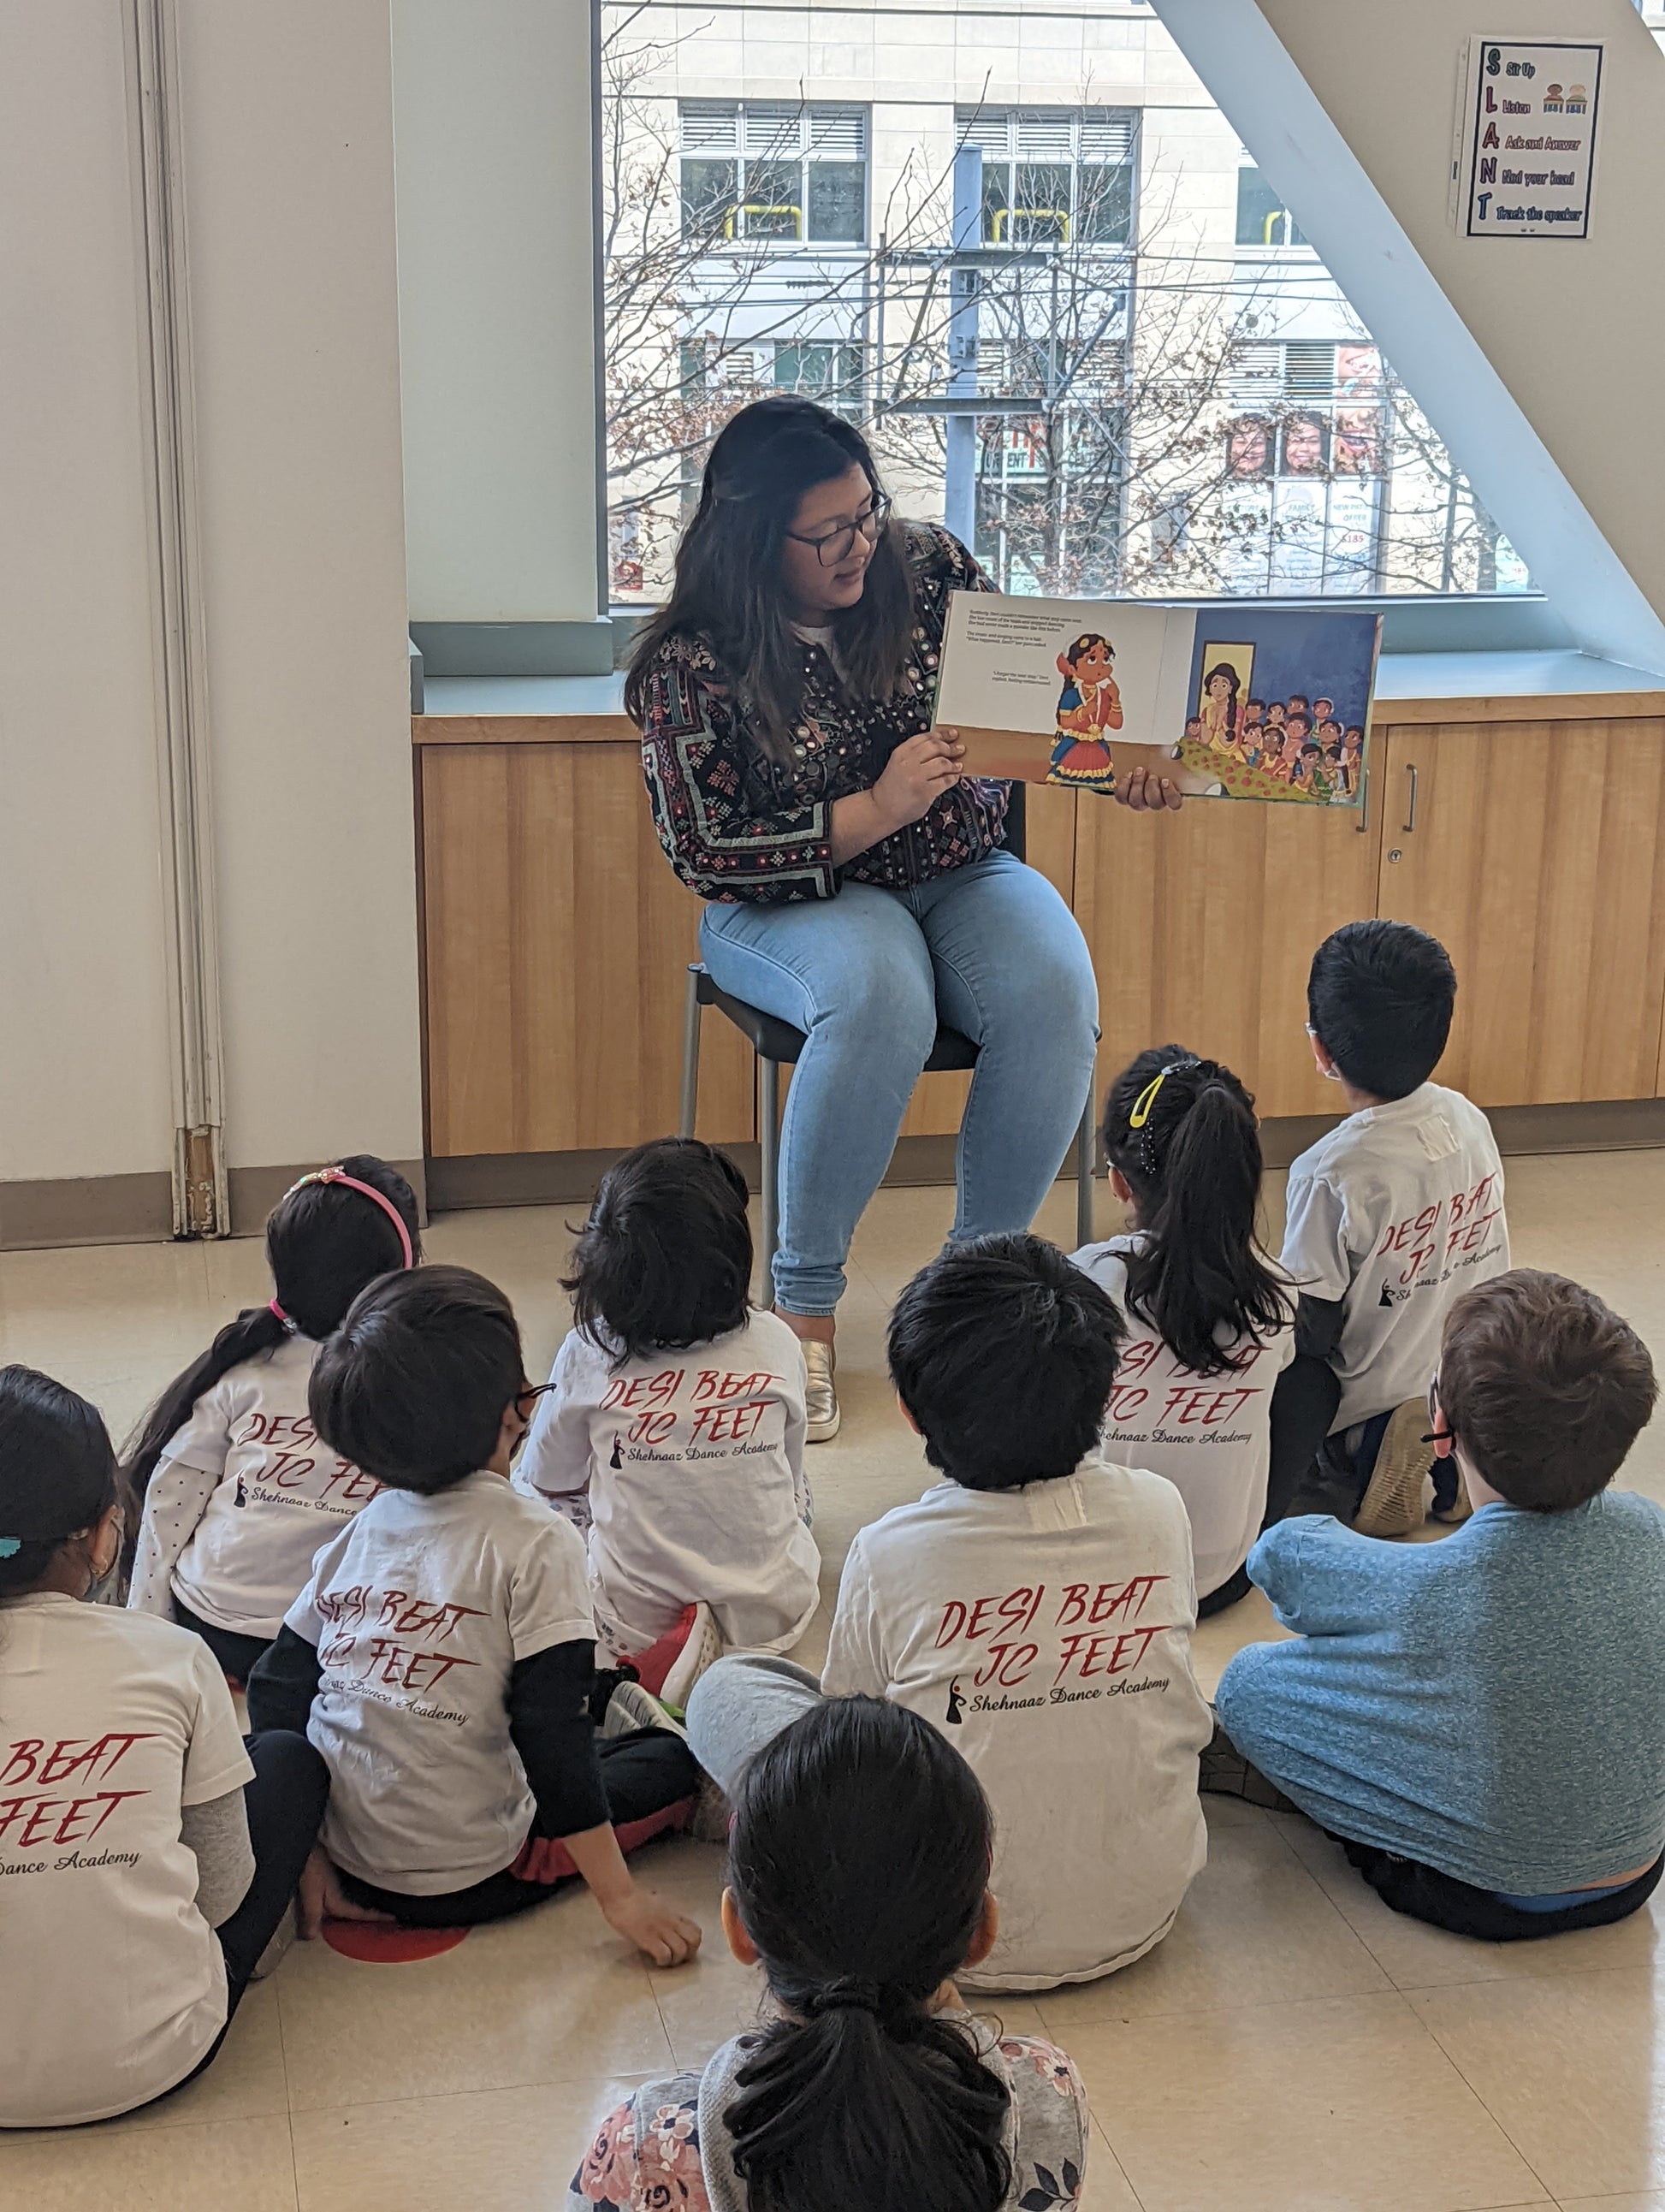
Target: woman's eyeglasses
(839,545)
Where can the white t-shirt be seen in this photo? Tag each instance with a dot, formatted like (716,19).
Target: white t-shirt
(112,1985)
(1047,1632)
(692,1465)
(242,1497)
(419,1610)
(1211,1435)
(1396,1212)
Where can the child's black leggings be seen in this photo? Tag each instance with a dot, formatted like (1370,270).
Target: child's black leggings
(284,1805)
(233,1655)
(1304,1403)
(643,1773)
(1425,1893)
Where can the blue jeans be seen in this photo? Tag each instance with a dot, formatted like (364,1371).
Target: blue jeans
(990,950)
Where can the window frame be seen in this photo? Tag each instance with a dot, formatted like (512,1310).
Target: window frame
(742,238)
(970,128)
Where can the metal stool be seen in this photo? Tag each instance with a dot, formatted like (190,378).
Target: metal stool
(777,1044)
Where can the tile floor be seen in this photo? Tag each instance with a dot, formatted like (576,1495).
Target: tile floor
(1292,2047)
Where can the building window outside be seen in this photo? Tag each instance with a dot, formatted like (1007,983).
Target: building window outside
(1262,218)
(821,369)
(757,170)
(1054,178)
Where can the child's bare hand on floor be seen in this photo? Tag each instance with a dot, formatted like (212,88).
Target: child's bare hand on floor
(322,1896)
(659,1932)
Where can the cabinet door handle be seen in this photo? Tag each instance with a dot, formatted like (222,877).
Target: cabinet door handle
(1410,818)
(1363,821)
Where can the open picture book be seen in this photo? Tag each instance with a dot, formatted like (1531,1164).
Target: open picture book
(1249,702)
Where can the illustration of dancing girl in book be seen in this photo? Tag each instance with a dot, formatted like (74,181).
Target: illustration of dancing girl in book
(1088,705)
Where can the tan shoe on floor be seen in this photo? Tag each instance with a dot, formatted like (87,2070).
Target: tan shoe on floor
(1395,1501)
(821,1393)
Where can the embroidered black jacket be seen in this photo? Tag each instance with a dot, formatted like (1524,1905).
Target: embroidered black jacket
(736,824)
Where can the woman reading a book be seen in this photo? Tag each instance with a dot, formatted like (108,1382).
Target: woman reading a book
(857,883)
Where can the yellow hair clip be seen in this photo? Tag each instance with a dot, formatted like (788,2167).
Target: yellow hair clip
(1145,1100)
(1145,1103)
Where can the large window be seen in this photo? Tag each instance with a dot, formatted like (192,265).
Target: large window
(755,170)
(1180,400)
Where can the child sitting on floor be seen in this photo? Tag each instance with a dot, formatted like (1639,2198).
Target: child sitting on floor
(1388,1219)
(442,1656)
(1479,1721)
(1037,1606)
(1212,1322)
(858,1869)
(234,1490)
(146,1861)
(673,1429)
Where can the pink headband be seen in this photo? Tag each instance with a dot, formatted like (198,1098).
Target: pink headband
(352,1182)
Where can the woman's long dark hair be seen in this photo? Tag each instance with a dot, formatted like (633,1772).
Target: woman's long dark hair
(664,1259)
(323,1243)
(1194,1167)
(58,1473)
(858,1859)
(728,570)
(1224,668)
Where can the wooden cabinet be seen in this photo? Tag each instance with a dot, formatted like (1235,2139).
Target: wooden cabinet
(555,937)
(1202,927)
(1534,851)
(555,944)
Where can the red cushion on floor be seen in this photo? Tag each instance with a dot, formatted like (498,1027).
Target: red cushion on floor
(381,1943)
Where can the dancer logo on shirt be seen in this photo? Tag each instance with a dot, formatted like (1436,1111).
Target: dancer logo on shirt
(48,1798)
(727,1411)
(1452,1232)
(1064,1647)
(292,1471)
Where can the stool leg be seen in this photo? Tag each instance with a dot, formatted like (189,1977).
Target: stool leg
(1086,1148)
(690,1058)
(769,1131)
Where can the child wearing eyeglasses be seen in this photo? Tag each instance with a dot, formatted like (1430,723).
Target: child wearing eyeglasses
(442,1655)
(1478,1722)
(1388,1219)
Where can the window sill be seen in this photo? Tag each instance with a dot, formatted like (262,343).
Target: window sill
(1411,687)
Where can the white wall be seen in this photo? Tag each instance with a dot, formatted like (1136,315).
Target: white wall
(83,1030)
(286,125)
(288,134)
(494,148)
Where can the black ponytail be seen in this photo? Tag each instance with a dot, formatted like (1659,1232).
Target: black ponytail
(58,1473)
(1193,1162)
(859,1860)
(325,1241)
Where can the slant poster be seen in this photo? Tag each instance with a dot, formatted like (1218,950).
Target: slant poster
(1526,161)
